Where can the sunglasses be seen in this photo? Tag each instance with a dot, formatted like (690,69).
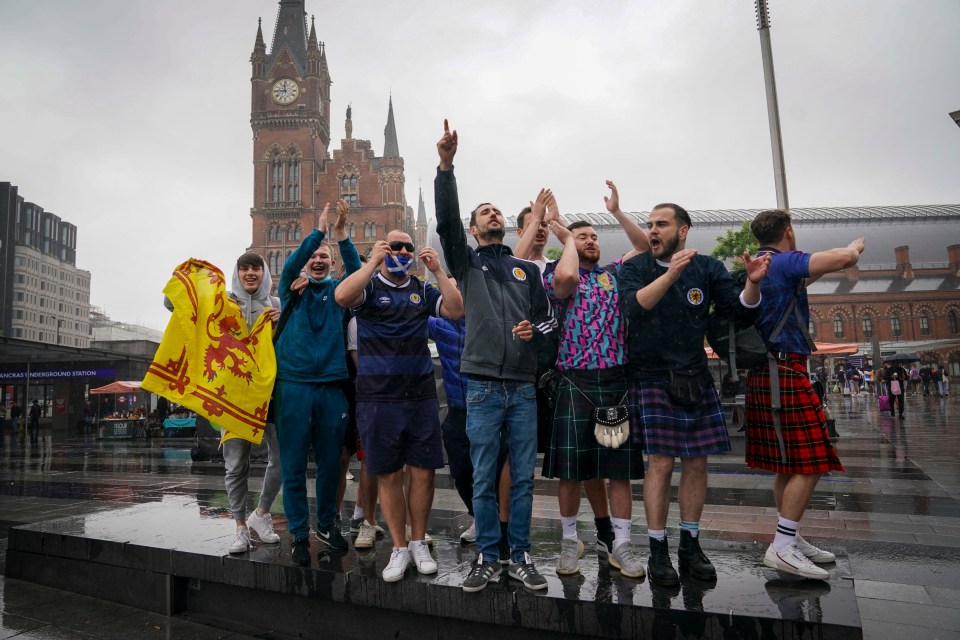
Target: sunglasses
(396,245)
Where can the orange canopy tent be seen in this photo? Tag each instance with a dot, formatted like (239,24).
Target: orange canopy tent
(120,386)
(835,348)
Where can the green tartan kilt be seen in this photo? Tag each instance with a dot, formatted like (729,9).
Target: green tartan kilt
(574,453)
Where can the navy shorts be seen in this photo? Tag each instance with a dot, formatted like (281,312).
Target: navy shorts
(395,434)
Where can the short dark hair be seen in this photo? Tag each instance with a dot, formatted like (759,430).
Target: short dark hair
(522,216)
(579,224)
(769,226)
(679,213)
(473,214)
(250,259)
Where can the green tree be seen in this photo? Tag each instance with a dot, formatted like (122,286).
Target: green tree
(734,243)
(553,253)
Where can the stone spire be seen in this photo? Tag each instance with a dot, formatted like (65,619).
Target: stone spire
(312,40)
(390,147)
(421,211)
(349,122)
(290,32)
(259,55)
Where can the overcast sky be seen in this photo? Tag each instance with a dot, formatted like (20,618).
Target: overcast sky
(130,119)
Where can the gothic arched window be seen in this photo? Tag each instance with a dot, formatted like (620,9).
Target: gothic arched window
(924,324)
(952,321)
(838,326)
(895,325)
(276,178)
(867,326)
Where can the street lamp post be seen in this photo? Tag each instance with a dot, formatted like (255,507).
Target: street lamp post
(773,110)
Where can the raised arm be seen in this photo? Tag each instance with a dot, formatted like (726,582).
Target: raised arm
(340,226)
(349,292)
(650,295)
(453,239)
(452,305)
(566,274)
(824,262)
(636,235)
(531,222)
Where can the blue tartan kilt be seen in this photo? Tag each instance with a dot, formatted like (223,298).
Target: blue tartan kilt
(573,452)
(670,429)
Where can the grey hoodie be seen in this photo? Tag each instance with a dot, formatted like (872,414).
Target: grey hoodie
(253,305)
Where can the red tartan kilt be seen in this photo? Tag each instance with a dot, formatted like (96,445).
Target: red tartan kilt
(802,424)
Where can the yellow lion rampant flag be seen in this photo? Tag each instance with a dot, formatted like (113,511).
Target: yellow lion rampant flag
(208,361)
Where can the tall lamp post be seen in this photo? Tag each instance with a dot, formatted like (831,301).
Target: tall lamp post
(773,111)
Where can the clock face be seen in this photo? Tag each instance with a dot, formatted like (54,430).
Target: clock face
(285,91)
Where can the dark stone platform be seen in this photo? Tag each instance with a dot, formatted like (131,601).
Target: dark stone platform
(169,557)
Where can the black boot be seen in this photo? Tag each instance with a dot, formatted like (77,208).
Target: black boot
(659,567)
(692,559)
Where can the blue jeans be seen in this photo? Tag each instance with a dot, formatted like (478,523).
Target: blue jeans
(508,407)
(309,415)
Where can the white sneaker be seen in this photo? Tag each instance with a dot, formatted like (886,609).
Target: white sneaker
(409,535)
(366,536)
(241,541)
(349,476)
(817,555)
(470,534)
(422,558)
(263,525)
(790,560)
(399,561)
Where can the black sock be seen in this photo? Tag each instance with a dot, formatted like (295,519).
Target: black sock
(604,531)
(503,529)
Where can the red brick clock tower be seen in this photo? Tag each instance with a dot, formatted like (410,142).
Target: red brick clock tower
(290,117)
(295,172)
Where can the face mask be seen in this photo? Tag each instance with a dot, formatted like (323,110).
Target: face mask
(399,265)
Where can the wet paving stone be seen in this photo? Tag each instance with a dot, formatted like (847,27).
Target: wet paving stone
(896,513)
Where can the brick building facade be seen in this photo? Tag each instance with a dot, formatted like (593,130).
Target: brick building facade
(295,174)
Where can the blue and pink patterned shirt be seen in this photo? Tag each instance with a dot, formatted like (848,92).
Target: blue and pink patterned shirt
(592,332)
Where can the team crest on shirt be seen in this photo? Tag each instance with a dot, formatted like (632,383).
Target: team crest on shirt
(519,274)
(604,281)
(695,296)
(415,298)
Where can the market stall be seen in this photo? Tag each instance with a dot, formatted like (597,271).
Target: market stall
(127,417)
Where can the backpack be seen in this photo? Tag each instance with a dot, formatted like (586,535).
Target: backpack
(740,345)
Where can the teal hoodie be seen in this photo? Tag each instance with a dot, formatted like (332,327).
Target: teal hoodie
(311,346)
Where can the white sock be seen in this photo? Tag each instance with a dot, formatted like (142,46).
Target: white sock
(786,533)
(657,534)
(621,531)
(357,512)
(569,524)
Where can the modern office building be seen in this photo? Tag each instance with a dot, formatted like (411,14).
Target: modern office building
(45,297)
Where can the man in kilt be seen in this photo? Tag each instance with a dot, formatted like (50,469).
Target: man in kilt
(792,442)
(666,295)
(591,362)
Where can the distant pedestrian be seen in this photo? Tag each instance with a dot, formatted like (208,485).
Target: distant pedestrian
(34,420)
(937,379)
(925,377)
(896,377)
(15,413)
(915,380)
